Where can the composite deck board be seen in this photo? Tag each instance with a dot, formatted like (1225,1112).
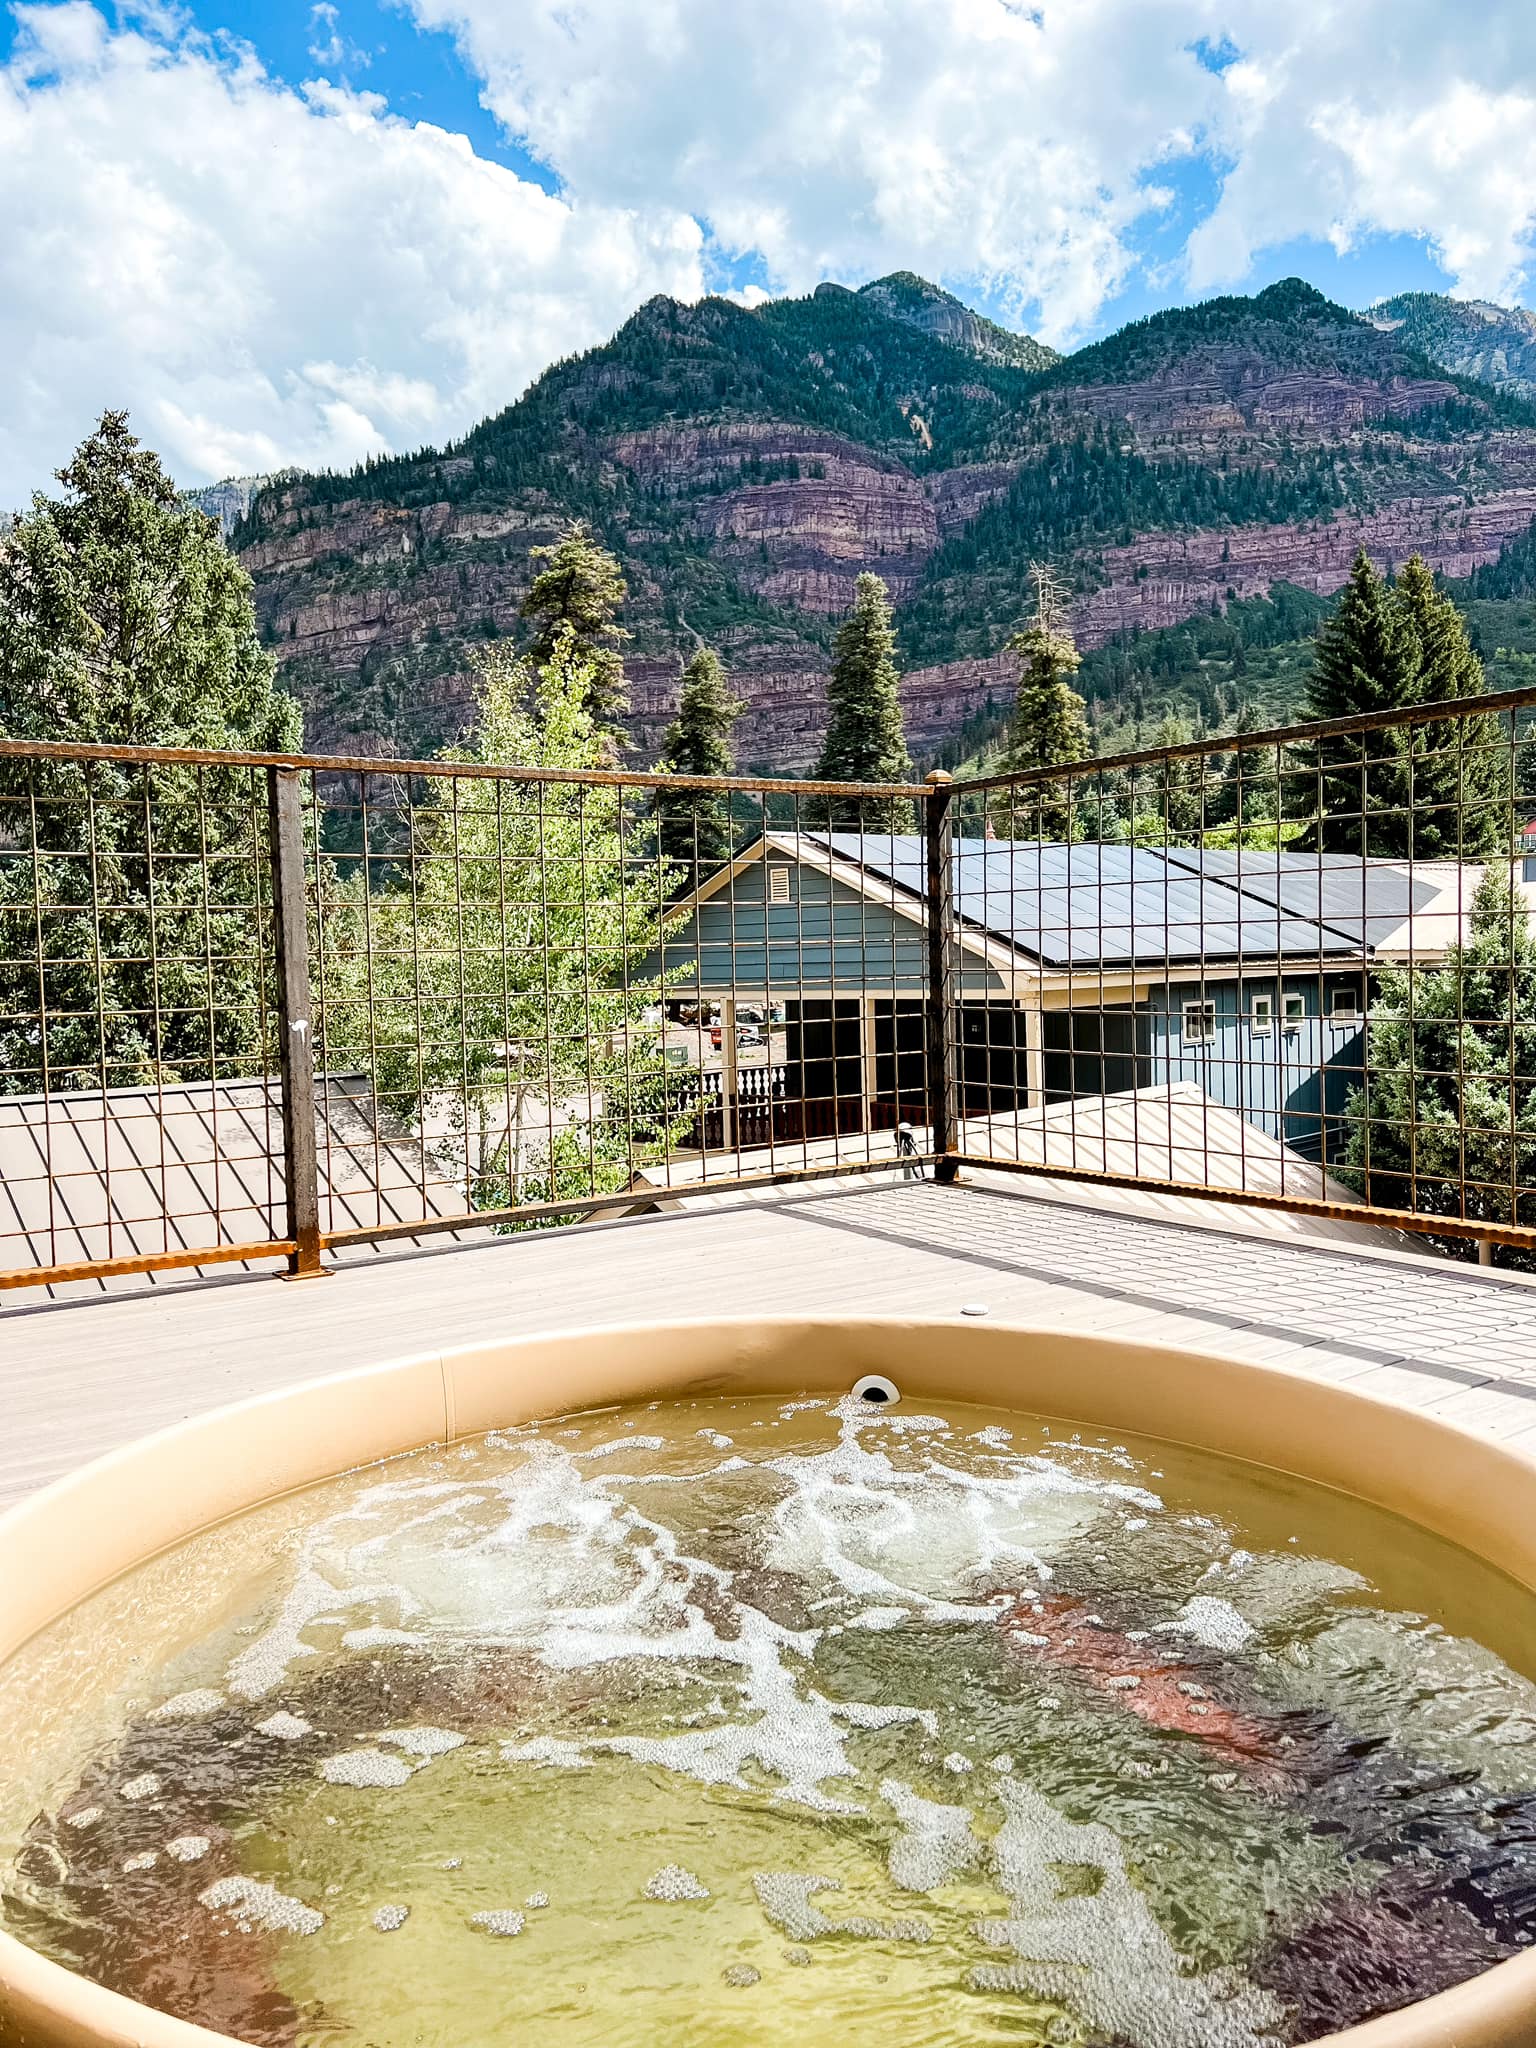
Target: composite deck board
(81,1378)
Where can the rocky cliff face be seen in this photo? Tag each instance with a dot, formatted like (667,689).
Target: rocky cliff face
(746,469)
(1495,344)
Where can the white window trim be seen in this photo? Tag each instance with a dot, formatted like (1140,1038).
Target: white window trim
(1295,1018)
(1204,1010)
(1261,1016)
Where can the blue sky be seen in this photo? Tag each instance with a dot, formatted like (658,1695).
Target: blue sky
(282,232)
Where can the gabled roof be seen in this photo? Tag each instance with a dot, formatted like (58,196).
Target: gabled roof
(1125,907)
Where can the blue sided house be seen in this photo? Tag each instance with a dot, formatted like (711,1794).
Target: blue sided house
(1079,970)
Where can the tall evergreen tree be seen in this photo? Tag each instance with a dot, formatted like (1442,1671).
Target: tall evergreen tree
(694,826)
(1352,791)
(124,619)
(864,740)
(1445,1120)
(1049,726)
(1458,769)
(575,601)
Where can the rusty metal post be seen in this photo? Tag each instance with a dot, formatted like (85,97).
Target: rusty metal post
(943,1118)
(290,926)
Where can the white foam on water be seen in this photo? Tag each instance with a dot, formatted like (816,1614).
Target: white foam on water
(1213,1622)
(958,1764)
(785,1897)
(145,1786)
(145,1860)
(262,1667)
(501,1920)
(188,1848)
(285,1727)
(935,1843)
(548,1751)
(739,1975)
(864,1714)
(367,1768)
(427,1742)
(536,1901)
(1101,1953)
(189,1706)
(389,1919)
(83,1817)
(252,1905)
(675,1884)
(378,1638)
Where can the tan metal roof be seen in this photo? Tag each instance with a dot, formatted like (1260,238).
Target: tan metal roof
(133,1171)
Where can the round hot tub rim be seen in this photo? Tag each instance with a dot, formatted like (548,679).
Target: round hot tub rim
(84,1531)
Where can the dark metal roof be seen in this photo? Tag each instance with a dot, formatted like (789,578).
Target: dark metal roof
(1092,904)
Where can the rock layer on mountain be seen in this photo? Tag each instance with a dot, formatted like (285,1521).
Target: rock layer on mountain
(1495,344)
(747,465)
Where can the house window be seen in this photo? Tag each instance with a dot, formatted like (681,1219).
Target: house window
(1263,1016)
(1344,1006)
(1198,1023)
(778,885)
(1295,1012)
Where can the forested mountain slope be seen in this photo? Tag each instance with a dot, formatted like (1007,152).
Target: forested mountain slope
(747,464)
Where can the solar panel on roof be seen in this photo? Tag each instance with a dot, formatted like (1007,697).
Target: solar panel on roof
(1096,904)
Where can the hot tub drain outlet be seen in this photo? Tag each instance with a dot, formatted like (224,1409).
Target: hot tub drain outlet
(877,1390)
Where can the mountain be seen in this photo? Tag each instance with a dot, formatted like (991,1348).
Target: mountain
(747,464)
(1495,344)
(924,306)
(231,500)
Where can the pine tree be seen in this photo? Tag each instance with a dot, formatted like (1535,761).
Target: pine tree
(694,826)
(124,619)
(1458,769)
(864,739)
(1352,791)
(1421,792)
(1445,1121)
(1048,728)
(575,601)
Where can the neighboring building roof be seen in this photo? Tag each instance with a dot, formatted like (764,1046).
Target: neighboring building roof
(1094,904)
(1175,1133)
(134,1171)
(1128,909)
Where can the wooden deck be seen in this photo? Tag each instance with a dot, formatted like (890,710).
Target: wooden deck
(80,1378)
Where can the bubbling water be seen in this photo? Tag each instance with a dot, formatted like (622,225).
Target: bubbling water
(777,1719)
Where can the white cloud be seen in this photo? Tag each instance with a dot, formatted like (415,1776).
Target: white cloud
(1025,147)
(1418,119)
(972,139)
(268,275)
(264,276)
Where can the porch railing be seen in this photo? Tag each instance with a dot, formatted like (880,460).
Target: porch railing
(279,1009)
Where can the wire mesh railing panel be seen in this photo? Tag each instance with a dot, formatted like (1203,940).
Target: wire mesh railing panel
(259,1008)
(1292,969)
(136,1076)
(256,1008)
(574,992)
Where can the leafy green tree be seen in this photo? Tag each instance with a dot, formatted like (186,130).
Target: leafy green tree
(497,978)
(865,741)
(1458,769)
(694,826)
(579,592)
(1445,1120)
(1352,791)
(1049,726)
(129,922)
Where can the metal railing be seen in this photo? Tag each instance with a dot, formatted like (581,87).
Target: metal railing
(268,1008)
